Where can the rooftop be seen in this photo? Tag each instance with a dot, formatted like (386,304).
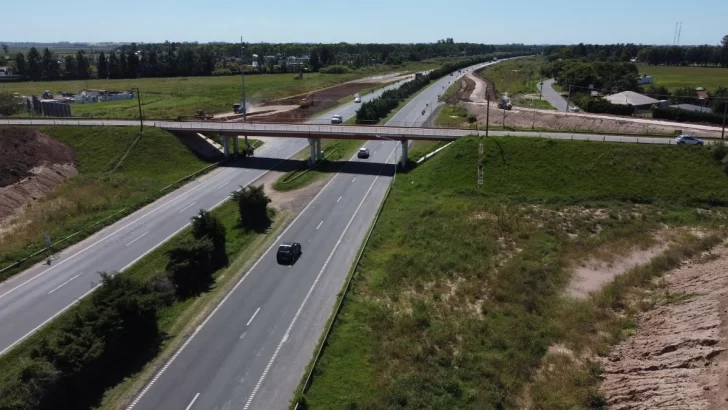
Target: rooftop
(630,98)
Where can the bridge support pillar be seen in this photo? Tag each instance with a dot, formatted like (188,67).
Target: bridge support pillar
(312,148)
(405,147)
(236,151)
(319,153)
(225,145)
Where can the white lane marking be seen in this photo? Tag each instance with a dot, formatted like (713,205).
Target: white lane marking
(243,335)
(337,201)
(48,320)
(154,247)
(194,399)
(319,225)
(62,284)
(207,319)
(353,180)
(140,237)
(375,153)
(186,208)
(308,295)
(253,317)
(220,186)
(111,234)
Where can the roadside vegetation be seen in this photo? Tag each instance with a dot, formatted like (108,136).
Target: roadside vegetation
(675,78)
(517,77)
(462,308)
(92,349)
(99,193)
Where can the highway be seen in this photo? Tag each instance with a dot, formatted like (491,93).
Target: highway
(252,350)
(31,299)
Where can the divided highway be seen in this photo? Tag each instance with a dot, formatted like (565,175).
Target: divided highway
(251,352)
(31,299)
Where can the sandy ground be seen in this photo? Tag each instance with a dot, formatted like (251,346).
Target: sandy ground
(520,117)
(676,359)
(595,273)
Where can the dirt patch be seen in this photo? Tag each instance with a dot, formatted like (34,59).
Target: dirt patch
(294,200)
(322,100)
(596,272)
(491,90)
(463,94)
(32,164)
(676,359)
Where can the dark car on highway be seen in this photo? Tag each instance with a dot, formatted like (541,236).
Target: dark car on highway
(288,253)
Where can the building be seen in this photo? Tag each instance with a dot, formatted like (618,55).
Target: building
(6,71)
(632,98)
(692,107)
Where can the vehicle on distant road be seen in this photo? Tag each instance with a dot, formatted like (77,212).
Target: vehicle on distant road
(689,140)
(574,109)
(357,99)
(363,153)
(288,253)
(337,119)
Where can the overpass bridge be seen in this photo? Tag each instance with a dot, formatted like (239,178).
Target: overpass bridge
(315,132)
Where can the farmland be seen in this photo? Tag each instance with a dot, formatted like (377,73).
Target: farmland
(674,77)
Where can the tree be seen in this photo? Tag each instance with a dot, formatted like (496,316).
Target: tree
(103,66)
(724,51)
(190,265)
(35,68)
(205,225)
(20,66)
(9,105)
(114,67)
(51,69)
(6,49)
(253,207)
(315,63)
(82,64)
(69,68)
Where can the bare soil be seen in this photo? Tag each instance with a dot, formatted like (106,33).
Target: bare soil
(676,359)
(294,200)
(31,165)
(463,94)
(322,100)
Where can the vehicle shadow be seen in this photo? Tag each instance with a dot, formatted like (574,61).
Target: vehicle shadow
(288,165)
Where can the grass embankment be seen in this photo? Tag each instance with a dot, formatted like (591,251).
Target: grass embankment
(174,317)
(97,192)
(460,292)
(677,77)
(520,79)
(168,98)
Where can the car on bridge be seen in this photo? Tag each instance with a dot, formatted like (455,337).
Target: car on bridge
(288,253)
(689,140)
(363,153)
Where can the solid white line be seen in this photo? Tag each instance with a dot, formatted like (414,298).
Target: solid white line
(207,319)
(154,247)
(140,237)
(223,185)
(353,179)
(337,201)
(48,320)
(65,283)
(243,335)
(253,317)
(194,399)
(319,225)
(308,295)
(186,208)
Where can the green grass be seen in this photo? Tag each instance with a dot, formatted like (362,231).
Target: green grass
(336,152)
(167,98)
(520,76)
(421,148)
(676,77)
(158,159)
(458,309)
(452,116)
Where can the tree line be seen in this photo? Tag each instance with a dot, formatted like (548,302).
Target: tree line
(172,59)
(701,55)
(114,332)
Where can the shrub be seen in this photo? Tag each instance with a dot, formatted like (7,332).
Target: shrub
(334,69)
(600,105)
(204,225)
(678,115)
(191,265)
(253,207)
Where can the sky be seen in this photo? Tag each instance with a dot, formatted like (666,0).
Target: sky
(369,21)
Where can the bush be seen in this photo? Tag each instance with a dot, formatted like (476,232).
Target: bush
(472,118)
(191,265)
(9,105)
(334,69)
(678,115)
(222,71)
(204,225)
(719,151)
(600,105)
(253,207)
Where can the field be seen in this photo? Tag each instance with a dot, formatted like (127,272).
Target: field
(673,78)
(158,160)
(516,77)
(168,98)
(460,293)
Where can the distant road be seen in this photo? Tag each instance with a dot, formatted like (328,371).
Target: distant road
(552,96)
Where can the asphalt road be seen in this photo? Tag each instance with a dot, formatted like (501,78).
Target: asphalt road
(552,96)
(31,299)
(251,352)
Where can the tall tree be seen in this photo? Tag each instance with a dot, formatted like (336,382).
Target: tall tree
(70,68)
(114,67)
(51,69)
(315,63)
(20,64)
(132,61)
(82,64)
(35,67)
(253,207)
(103,66)
(6,49)
(724,51)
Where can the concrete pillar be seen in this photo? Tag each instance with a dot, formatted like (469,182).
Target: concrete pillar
(225,145)
(235,145)
(312,145)
(405,146)
(320,154)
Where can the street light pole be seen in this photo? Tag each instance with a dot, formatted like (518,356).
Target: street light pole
(139,103)
(244,105)
(487,111)
(725,111)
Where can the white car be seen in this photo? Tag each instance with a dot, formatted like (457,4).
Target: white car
(357,99)
(337,119)
(689,140)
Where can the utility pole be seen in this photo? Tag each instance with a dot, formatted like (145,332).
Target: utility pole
(725,111)
(540,89)
(139,103)
(487,111)
(244,105)
(568,100)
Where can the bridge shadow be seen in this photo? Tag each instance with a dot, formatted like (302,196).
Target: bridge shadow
(288,165)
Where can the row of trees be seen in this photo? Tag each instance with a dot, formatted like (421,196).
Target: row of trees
(380,107)
(189,59)
(608,76)
(703,55)
(115,332)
